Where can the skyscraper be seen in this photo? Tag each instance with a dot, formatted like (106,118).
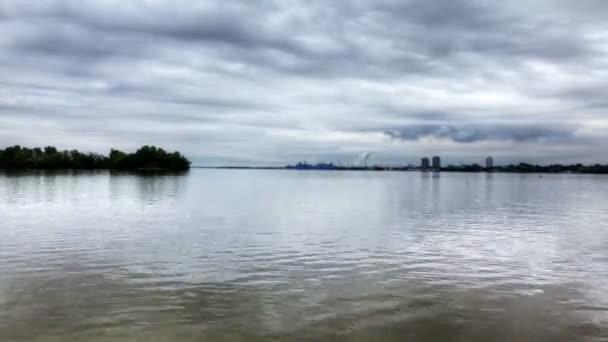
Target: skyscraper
(489,162)
(436,163)
(424,165)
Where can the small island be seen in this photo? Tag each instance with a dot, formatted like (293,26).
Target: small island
(145,158)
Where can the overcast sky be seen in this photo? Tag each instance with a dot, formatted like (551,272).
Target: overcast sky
(270,82)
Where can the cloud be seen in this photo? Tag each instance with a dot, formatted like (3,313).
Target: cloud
(484,132)
(272,81)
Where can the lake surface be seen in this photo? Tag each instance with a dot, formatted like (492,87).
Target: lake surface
(238,255)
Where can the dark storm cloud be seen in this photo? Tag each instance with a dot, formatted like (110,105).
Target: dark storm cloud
(484,132)
(444,28)
(419,33)
(268,79)
(235,24)
(67,42)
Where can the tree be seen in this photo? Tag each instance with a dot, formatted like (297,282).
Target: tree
(147,157)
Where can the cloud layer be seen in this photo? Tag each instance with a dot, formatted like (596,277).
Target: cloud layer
(270,82)
(484,132)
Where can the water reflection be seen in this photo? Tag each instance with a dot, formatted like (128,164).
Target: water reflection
(40,187)
(151,187)
(83,305)
(259,255)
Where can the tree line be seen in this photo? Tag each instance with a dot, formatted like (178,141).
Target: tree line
(531,168)
(515,168)
(145,158)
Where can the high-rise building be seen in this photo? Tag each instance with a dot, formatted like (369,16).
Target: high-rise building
(436,163)
(489,162)
(425,164)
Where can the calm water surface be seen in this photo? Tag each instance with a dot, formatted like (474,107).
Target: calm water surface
(216,255)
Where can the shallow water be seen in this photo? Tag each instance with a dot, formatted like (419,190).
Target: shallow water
(238,255)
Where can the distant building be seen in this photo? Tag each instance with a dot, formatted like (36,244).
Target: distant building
(436,163)
(489,162)
(425,164)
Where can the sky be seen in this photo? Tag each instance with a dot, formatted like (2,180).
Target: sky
(274,82)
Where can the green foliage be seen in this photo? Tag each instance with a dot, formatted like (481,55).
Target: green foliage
(146,158)
(149,158)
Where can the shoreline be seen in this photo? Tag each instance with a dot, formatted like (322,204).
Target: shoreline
(393,170)
(172,171)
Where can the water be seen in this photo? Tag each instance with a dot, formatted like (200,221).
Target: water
(217,255)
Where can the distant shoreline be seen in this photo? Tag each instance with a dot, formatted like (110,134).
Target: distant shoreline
(260,168)
(387,169)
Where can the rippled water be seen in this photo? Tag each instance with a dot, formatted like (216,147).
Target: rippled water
(217,255)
